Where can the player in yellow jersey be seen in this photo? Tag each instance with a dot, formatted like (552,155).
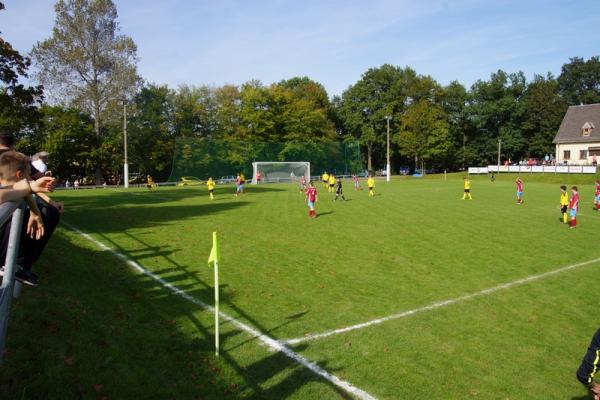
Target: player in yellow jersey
(331,183)
(564,203)
(150,183)
(467,191)
(210,184)
(325,179)
(371,185)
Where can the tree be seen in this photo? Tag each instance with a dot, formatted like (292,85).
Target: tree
(579,81)
(305,111)
(454,104)
(379,93)
(424,133)
(18,103)
(68,135)
(542,110)
(493,113)
(87,63)
(151,131)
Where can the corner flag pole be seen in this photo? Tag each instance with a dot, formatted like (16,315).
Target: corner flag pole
(214,259)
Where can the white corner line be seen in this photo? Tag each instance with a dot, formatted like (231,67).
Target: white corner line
(268,341)
(439,304)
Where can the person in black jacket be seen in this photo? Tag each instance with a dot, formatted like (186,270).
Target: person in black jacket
(590,365)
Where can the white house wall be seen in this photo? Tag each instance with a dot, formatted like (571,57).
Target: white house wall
(575,148)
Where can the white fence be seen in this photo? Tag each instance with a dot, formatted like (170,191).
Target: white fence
(547,169)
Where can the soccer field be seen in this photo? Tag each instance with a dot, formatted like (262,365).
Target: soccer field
(411,294)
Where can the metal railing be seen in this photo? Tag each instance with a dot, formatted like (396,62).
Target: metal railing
(8,209)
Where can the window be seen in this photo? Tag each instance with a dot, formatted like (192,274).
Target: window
(567,155)
(587,128)
(583,154)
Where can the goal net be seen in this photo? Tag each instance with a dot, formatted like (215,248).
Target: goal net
(280,171)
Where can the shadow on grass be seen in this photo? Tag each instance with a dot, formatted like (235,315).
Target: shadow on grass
(102,220)
(319,215)
(124,197)
(96,329)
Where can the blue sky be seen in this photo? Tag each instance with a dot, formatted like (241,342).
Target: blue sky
(333,42)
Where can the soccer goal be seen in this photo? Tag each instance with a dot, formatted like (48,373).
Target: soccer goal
(274,172)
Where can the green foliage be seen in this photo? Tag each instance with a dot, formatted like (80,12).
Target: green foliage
(542,110)
(424,133)
(494,113)
(150,132)
(88,64)
(68,137)
(203,158)
(18,103)
(579,81)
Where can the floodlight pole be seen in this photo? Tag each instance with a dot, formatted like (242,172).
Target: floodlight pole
(388,168)
(125,164)
(499,147)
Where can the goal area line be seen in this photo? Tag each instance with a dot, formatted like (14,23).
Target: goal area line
(439,304)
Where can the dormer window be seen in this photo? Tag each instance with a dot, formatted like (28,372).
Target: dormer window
(587,128)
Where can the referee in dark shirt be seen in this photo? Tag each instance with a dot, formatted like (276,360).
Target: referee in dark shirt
(590,365)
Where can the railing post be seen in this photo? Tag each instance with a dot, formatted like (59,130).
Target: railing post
(6,289)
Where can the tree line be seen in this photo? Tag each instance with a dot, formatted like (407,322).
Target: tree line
(87,76)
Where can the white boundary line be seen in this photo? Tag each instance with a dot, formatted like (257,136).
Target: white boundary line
(439,304)
(270,342)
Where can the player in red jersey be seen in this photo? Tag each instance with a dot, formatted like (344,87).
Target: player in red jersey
(311,198)
(302,183)
(573,206)
(597,196)
(519,191)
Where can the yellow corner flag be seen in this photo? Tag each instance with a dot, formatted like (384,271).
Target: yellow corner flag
(214,253)
(213,259)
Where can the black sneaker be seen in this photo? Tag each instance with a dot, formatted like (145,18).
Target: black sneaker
(26,277)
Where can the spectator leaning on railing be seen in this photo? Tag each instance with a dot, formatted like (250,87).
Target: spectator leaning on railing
(14,168)
(31,244)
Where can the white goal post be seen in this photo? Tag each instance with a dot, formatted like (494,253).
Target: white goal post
(279,171)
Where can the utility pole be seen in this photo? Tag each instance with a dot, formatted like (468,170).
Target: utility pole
(388,168)
(125,165)
(499,147)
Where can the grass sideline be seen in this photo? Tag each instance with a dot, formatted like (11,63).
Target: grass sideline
(96,329)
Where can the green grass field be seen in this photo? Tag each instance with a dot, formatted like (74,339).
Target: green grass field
(97,328)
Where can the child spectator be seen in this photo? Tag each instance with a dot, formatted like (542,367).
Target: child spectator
(15,169)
